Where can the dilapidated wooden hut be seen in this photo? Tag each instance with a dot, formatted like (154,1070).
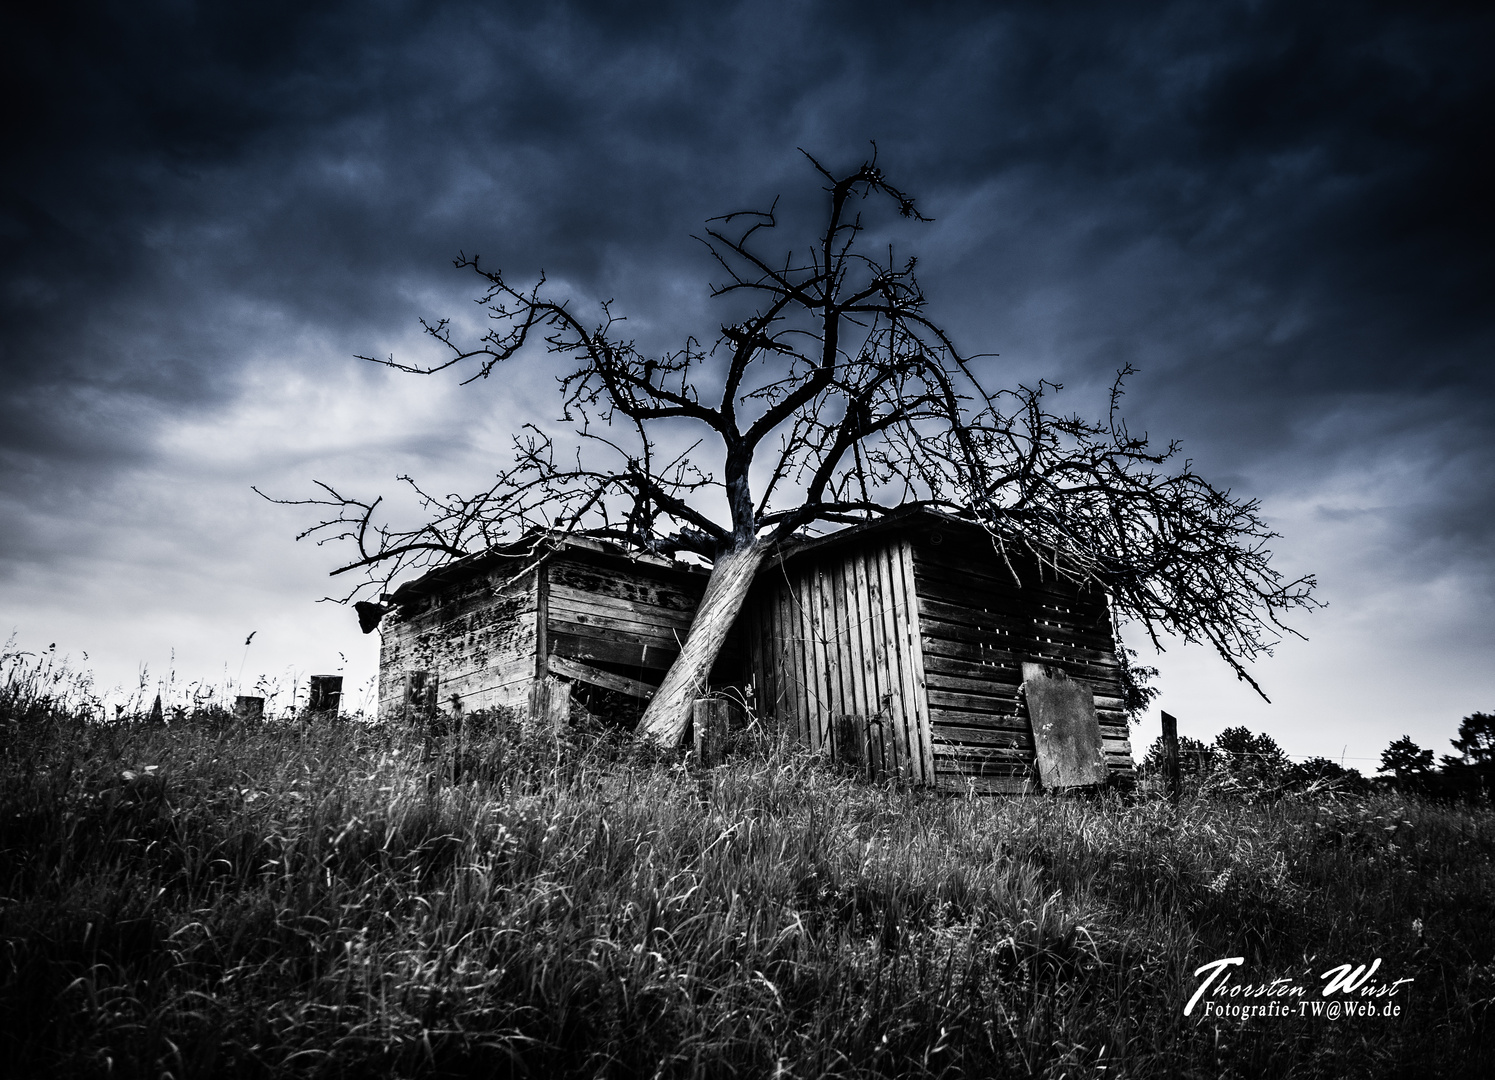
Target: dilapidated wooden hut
(908,644)
(484,631)
(962,668)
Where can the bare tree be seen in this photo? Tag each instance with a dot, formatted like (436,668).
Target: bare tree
(836,399)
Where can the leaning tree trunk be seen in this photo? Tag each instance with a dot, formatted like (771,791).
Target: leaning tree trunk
(668,713)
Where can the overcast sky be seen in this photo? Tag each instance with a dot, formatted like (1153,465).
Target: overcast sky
(1281,213)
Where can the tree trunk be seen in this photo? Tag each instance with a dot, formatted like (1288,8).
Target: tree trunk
(668,714)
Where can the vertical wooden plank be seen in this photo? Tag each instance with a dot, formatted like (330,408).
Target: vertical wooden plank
(835,649)
(853,696)
(802,657)
(916,659)
(866,617)
(785,708)
(817,697)
(856,695)
(709,717)
(877,628)
(905,624)
(839,640)
(900,707)
(830,640)
(542,619)
(831,635)
(773,694)
(550,705)
(786,689)
(1170,756)
(751,627)
(781,703)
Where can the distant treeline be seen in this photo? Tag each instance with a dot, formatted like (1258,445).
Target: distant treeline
(1241,759)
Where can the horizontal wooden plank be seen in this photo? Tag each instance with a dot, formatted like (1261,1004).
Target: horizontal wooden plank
(580,644)
(1025,606)
(987,687)
(1007,730)
(632,654)
(984,785)
(1009,652)
(970,668)
(617,608)
(668,590)
(1076,662)
(981,735)
(1001,755)
(980,559)
(944,699)
(959,621)
(976,718)
(975,606)
(492,672)
(475,616)
(971,581)
(631,626)
(575,669)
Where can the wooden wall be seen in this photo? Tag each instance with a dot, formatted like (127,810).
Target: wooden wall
(483,636)
(977,627)
(833,633)
(629,617)
(477,635)
(925,626)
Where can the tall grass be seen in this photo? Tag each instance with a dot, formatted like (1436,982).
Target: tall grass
(206,899)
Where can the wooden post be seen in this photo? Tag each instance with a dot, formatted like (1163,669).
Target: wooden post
(877,748)
(710,717)
(325,695)
(249,709)
(849,735)
(420,697)
(550,704)
(1170,756)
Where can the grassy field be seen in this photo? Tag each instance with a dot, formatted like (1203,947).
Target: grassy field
(206,899)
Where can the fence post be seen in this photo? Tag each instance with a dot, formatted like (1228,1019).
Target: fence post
(550,705)
(325,695)
(709,717)
(878,768)
(850,736)
(1170,756)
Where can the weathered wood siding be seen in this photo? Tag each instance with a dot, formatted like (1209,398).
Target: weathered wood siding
(629,618)
(834,633)
(977,627)
(476,636)
(487,635)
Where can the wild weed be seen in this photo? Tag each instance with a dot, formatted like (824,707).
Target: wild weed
(214,898)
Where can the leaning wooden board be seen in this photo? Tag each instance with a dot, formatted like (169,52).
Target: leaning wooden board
(1066,731)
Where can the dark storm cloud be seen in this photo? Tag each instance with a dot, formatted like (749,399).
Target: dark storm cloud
(1271,205)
